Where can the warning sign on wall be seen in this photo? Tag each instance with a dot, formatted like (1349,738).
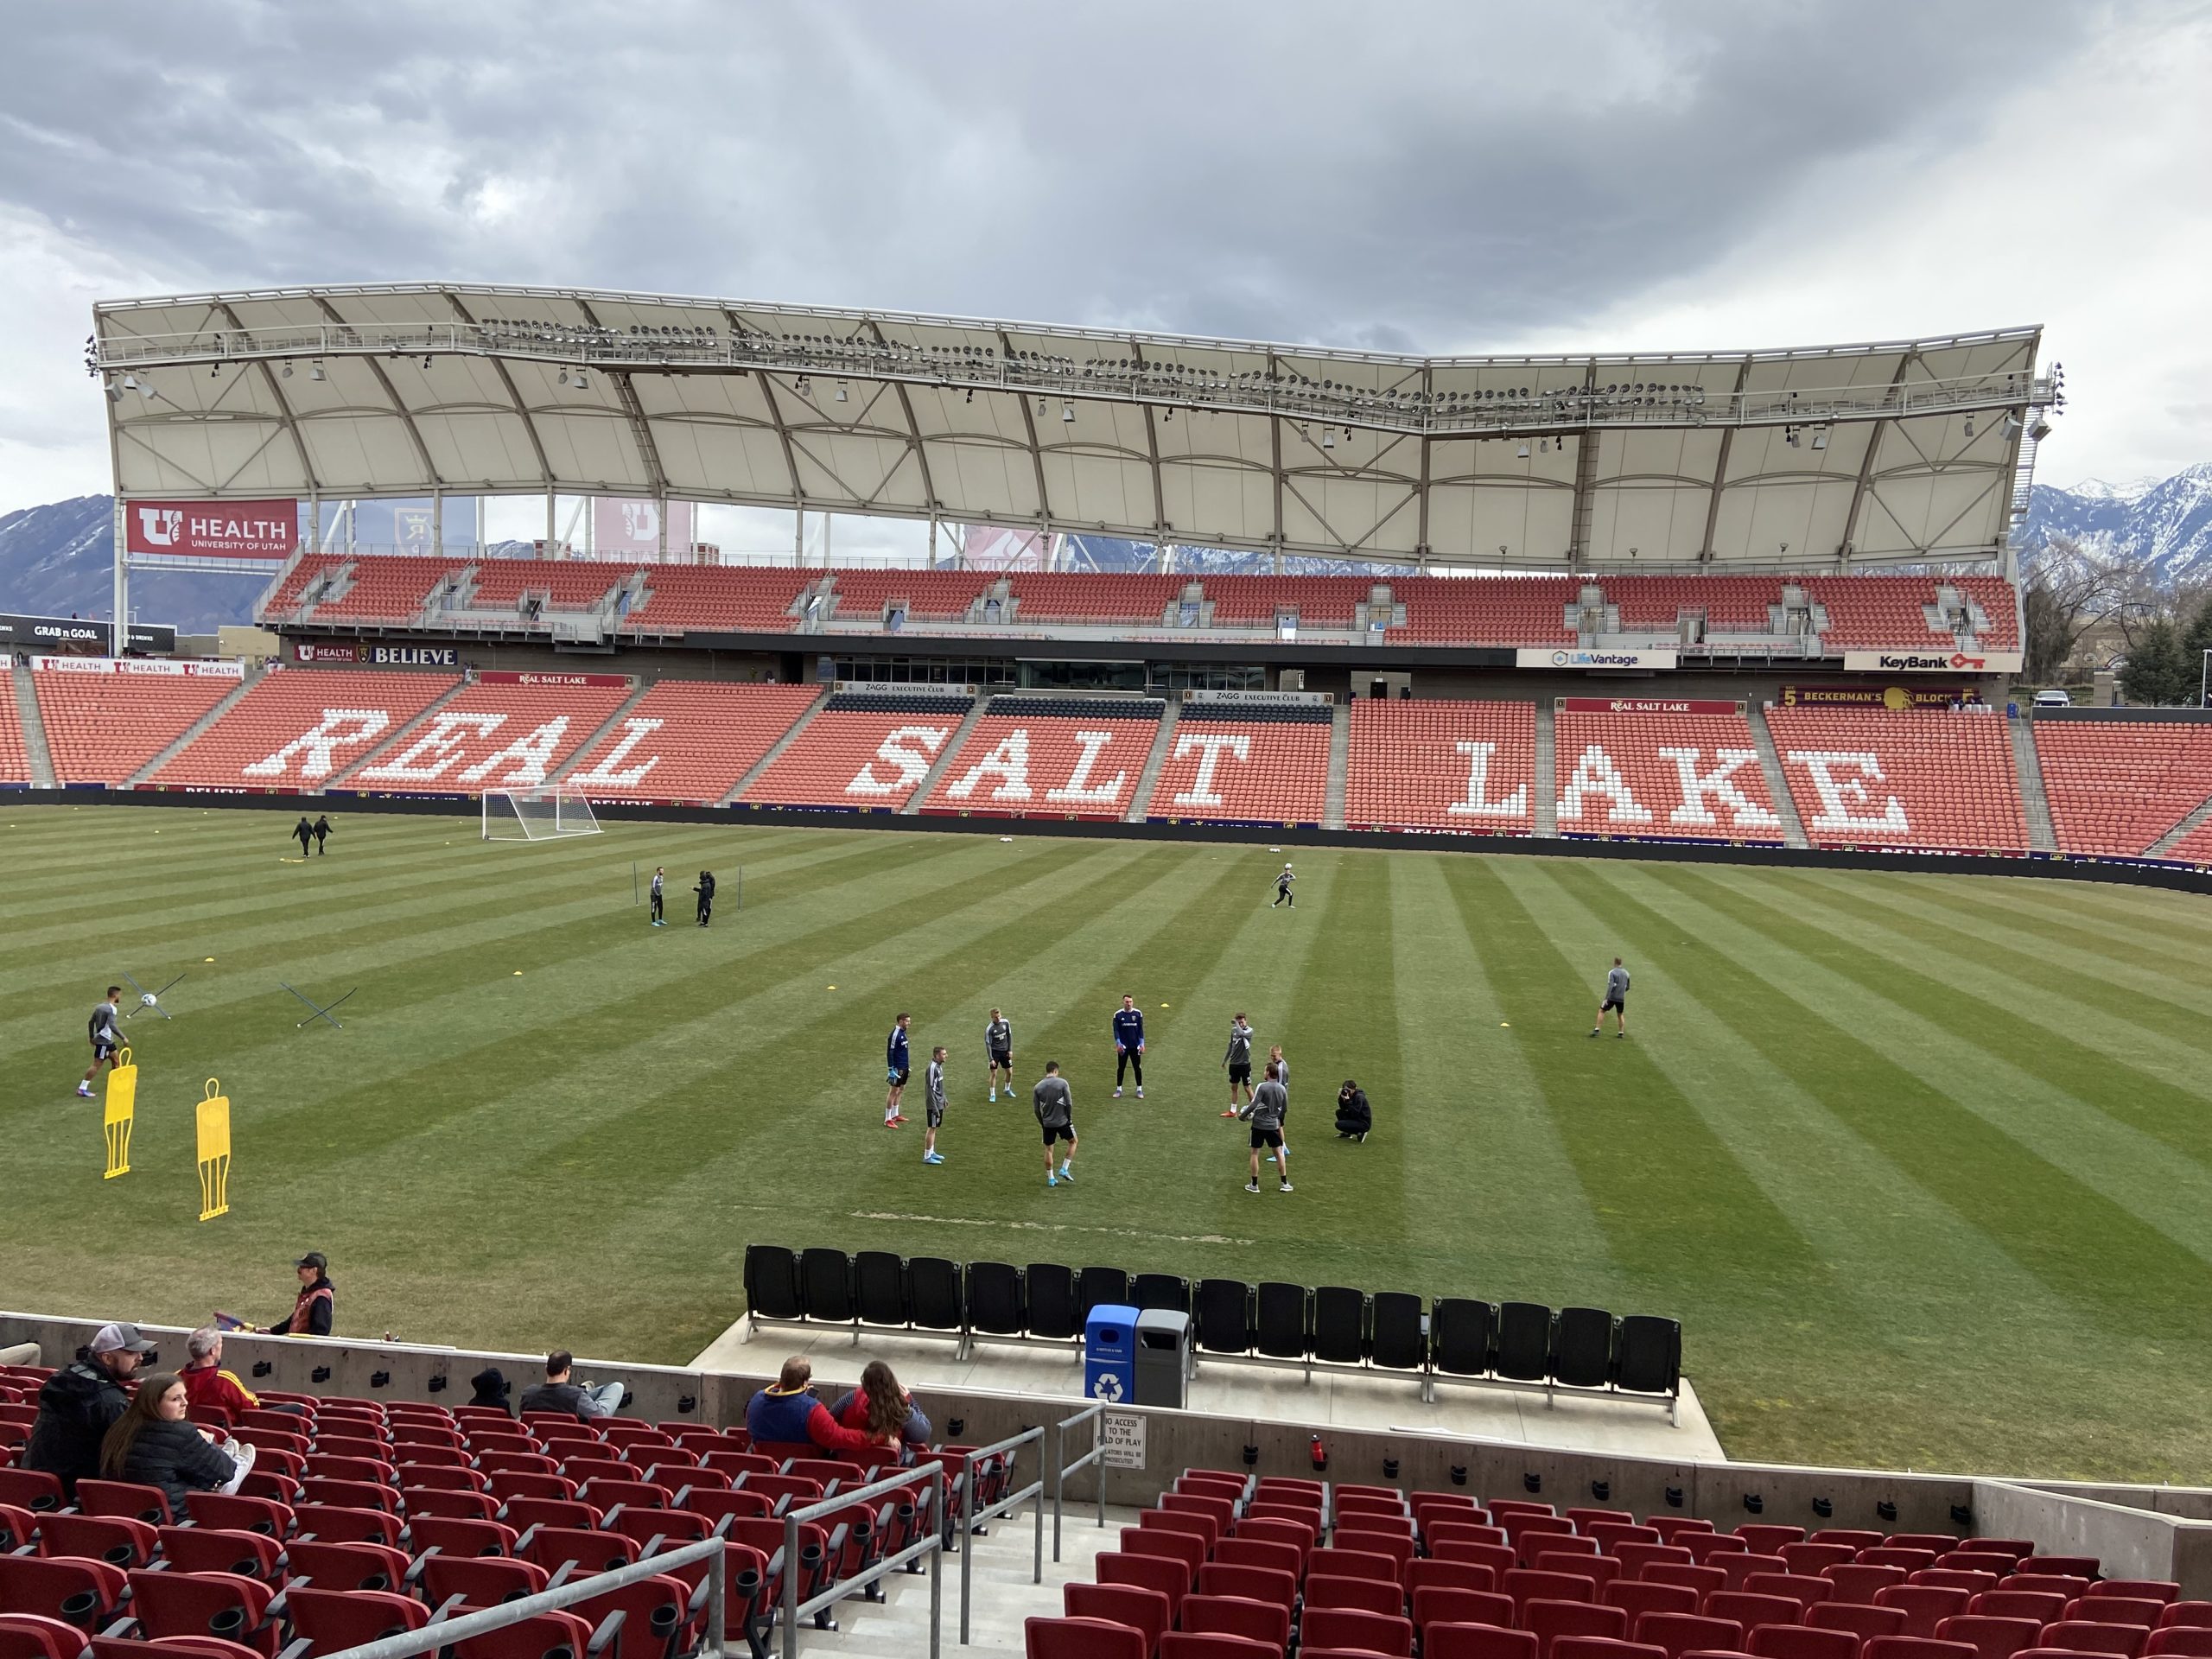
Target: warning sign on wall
(1121,1435)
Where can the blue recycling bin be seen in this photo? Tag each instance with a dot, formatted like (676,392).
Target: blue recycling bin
(1109,1353)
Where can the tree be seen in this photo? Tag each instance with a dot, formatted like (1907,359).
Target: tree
(2157,671)
(2069,590)
(2195,641)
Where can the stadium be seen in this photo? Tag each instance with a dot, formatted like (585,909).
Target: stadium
(1849,1304)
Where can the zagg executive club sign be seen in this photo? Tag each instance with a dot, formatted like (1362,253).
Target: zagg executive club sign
(212,529)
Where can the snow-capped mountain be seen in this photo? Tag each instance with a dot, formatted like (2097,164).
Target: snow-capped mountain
(2165,524)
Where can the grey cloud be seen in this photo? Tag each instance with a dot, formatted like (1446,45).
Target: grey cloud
(1426,176)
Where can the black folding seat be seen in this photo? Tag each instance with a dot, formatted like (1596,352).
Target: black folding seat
(995,1300)
(1650,1354)
(880,1287)
(1101,1287)
(1048,1295)
(771,1282)
(826,1278)
(1225,1316)
(1582,1348)
(933,1293)
(1282,1321)
(1163,1291)
(1462,1333)
(1339,1325)
(1524,1342)
(1400,1339)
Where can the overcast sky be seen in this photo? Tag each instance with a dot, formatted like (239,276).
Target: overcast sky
(1458,176)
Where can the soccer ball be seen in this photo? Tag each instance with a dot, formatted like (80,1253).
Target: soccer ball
(145,999)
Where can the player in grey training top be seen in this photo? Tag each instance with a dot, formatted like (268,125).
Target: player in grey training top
(1615,999)
(1054,1102)
(1269,1101)
(933,1110)
(1238,1061)
(998,1052)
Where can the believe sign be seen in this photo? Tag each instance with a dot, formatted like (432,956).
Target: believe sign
(212,529)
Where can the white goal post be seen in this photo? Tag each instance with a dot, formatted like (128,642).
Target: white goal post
(537,815)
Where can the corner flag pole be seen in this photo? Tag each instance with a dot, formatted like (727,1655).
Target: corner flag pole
(634,882)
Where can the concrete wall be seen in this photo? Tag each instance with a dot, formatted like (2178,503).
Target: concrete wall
(2137,1532)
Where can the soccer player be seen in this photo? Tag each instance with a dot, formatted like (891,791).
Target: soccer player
(1265,1113)
(1054,1103)
(1238,1061)
(933,1111)
(897,1067)
(706,892)
(304,832)
(1128,1044)
(1282,890)
(322,833)
(1278,1069)
(660,913)
(106,1039)
(1615,999)
(998,1048)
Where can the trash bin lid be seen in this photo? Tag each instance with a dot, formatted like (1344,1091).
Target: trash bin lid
(1163,1322)
(1110,1321)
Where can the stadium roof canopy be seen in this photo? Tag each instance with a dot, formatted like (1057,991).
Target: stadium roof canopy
(1908,450)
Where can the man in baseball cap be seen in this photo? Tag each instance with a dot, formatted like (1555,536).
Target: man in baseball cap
(81,1401)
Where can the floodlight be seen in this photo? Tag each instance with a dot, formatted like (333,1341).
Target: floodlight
(1328,438)
(426,360)
(130,383)
(114,394)
(1523,452)
(288,368)
(580,379)
(1969,426)
(1820,440)
(314,371)
(841,392)
(2039,429)
(562,378)
(1067,411)
(970,398)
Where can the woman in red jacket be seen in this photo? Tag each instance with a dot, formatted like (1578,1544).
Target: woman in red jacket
(884,1412)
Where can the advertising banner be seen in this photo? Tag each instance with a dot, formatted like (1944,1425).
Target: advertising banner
(1932,662)
(1579,657)
(1871,696)
(317,650)
(1648,706)
(138,666)
(987,547)
(212,529)
(1277,697)
(629,524)
(19,633)
(414,656)
(511,676)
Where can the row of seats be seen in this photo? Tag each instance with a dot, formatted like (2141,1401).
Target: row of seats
(1452,1337)
(690,741)
(1662,774)
(2118,786)
(493,736)
(1238,764)
(1078,758)
(1228,1567)
(1470,768)
(1883,778)
(101,728)
(862,751)
(363,1519)
(1862,612)
(296,729)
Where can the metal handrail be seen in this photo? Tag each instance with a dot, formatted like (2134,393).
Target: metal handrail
(440,1633)
(969,1515)
(1062,1471)
(931,1544)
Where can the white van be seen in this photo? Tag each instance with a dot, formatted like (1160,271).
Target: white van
(2051,697)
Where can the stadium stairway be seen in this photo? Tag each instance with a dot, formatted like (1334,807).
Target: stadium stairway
(953,745)
(252,678)
(590,745)
(2163,847)
(897,1627)
(1777,789)
(2042,837)
(394,744)
(775,749)
(1163,745)
(1333,813)
(33,728)
(1547,802)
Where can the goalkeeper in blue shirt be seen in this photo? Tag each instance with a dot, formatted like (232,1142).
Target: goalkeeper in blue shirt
(1128,1045)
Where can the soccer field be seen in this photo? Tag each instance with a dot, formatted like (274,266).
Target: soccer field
(1920,1162)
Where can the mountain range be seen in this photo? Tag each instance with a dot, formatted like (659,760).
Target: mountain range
(56,560)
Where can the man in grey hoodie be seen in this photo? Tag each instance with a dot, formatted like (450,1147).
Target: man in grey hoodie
(1265,1113)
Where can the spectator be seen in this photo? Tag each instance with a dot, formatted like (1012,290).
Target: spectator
(311,1314)
(884,1412)
(584,1401)
(491,1389)
(205,1383)
(81,1401)
(151,1445)
(1354,1117)
(788,1421)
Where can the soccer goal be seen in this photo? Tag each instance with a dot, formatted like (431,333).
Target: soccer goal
(537,815)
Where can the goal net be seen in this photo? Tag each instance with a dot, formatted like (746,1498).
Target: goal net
(537,815)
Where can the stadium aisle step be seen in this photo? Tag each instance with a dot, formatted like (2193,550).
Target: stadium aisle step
(33,728)
(1547,802)
(2042,837)
(768,759)
(1162,746)
(1777,786)
(1333,813)
(897,1627)
(404,734)
(252,678)
(2164,845)
(953,745)
(590,744)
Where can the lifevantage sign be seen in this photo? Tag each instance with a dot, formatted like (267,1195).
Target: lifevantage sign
(1582,657)
(1932,662)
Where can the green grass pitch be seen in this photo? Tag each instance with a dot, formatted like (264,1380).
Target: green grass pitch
(1922,1162)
